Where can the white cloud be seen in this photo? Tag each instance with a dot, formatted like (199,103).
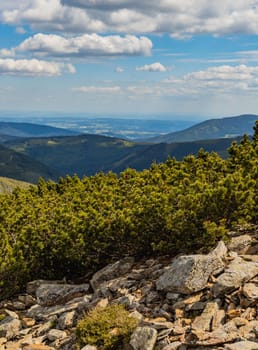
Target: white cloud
(224,73)
(33,67)
(98,89)
(214,81)
(7,53)
(154,67)
(221,79)
(178,18)
(119,70)
(85,45)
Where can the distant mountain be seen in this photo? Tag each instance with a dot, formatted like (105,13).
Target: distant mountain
(32,130)
(89,154)
(22,167)
(7,185)
(211,129)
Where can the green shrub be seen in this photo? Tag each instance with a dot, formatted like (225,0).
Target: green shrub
(108,328)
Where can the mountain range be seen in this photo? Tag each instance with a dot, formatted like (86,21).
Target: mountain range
(52,156)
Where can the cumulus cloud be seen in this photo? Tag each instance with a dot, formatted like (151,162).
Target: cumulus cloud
(33,67)
(85,45)
(178,18)
(154,67)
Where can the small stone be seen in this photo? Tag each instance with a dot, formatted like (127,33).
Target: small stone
(242,345)
(203,322)
(137,315)
(18,305)
(143,338)
(234,313)
(37,347)
(2,341)
(28,322)
(126,300)
(250,291)
(173,297)
(111,272)
(9,327)
(173,346)
(27,300)
(55,334)
(67,320)
(12,314)
(218,319)
(89,347)
(240,244)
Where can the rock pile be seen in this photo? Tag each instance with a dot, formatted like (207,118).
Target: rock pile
(192,302)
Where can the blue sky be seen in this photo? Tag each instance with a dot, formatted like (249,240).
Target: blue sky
(193,58)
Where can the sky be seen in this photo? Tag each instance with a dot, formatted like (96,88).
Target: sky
(194,58)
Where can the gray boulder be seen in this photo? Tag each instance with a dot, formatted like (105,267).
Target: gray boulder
(237,272)
(111,272)
(53,294)
(190,273)
(10,327)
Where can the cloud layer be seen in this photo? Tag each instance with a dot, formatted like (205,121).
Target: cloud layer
(221,80)
(178,18)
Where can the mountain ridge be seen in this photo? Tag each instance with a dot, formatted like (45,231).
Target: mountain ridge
(211,129)
(24,129)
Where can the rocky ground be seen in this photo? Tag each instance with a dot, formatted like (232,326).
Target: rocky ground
(190,302)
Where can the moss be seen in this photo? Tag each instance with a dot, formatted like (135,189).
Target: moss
(2,317)
(108,328)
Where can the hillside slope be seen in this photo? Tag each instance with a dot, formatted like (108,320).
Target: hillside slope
(211,129)
(89,154)
(22,167)
(7,185)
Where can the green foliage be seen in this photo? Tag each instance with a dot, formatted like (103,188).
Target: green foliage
(74,226)
(108,328)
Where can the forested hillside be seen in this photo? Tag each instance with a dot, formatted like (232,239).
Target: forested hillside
(90,154)
(74,227)
(22,167)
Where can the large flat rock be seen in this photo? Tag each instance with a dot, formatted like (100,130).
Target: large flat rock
(189,274)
